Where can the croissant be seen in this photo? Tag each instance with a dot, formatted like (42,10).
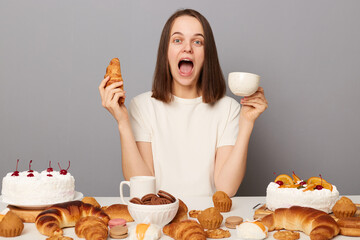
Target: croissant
(52,220)
(91,228)
(181,213)
(185,230)
(318,224)
(114,71)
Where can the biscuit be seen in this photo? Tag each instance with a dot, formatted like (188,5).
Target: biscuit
(119,232)
(233,221)
(218,233)
(194,213)
(286,235)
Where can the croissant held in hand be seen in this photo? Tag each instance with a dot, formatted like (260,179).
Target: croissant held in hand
(185,230)
(52,220)
(318,224)
(114,71)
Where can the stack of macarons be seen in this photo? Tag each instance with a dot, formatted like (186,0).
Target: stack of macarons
(118,228)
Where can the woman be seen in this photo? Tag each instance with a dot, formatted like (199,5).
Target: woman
(186,132)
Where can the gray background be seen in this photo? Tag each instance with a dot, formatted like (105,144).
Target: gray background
(53,55)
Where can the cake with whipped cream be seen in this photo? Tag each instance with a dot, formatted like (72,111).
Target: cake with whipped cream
(316,193)
(38,188)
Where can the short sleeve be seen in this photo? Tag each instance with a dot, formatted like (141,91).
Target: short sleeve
(231,129)
(138,123)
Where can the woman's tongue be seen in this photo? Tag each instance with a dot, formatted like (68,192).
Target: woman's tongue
(186,68)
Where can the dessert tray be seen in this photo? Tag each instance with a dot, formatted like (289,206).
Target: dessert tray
(78,196)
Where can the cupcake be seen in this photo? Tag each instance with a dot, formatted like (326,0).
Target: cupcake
(11,225)
(222,201)
(210,218)
(344,208)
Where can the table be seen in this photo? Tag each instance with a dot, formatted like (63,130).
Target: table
(242,206)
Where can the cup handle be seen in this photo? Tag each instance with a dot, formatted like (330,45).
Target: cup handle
(121,189)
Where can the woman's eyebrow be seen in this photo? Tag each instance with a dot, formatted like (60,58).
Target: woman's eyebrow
(196,34)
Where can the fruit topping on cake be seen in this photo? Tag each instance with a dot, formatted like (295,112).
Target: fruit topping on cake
(63,171)
(30,171)
(16,172)
(313,183)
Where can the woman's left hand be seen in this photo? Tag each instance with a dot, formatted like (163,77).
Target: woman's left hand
(254,105)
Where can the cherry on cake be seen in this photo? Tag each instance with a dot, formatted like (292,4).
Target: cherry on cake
(37,188)
(316,193)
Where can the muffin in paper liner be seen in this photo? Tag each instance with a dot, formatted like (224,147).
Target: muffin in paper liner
(210,218)
(344,208)
(222,201)
(11,225)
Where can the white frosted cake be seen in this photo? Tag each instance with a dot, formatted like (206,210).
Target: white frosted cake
(38,188)
(300,193)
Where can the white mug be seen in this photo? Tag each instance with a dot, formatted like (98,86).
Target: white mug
(243,83)
(139,186)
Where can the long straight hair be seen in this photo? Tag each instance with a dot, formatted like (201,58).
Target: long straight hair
(211,82)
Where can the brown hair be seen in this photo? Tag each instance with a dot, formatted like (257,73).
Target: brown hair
(211,81)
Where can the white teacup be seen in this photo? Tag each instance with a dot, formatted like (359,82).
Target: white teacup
(243,84)
(139,186)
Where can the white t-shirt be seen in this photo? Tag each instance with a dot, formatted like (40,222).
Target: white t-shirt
(184,135)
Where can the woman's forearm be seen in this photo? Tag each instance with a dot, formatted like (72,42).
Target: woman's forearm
(132,162)
(233,169)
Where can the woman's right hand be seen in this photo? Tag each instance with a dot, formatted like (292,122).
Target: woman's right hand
(110,97)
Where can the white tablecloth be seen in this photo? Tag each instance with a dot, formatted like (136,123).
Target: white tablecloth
(242,206)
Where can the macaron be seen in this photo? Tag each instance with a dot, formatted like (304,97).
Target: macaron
(117,222)
(233,221)
(119,232)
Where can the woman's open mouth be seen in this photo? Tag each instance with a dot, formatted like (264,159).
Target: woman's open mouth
(185,67)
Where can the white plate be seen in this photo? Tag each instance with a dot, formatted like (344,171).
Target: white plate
(78,196)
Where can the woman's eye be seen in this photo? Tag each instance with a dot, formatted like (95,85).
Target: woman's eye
(198,42)
(177,40)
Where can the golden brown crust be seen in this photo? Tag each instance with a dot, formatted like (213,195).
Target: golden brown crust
(181,213)
(114,71)
(349,226)
(185,230)
(59,237)
(344,208)
(92,201)
(218,233)
(119,211)
(91,228)
(11,225)
(194,213)
(210,218)
(52,220)
(315,223)
(222,201)
(286,235)
(26,215)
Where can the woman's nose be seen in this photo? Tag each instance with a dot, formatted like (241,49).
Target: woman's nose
(187,47)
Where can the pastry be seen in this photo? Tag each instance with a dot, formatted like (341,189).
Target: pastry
(251,230)
(194,213)
(26,215)
(144,231)
(119,232)
(91,201)
(59,237)
(53,219)
(181,213)
(344,208)
(117,222)
(222,201)
(218,233)
(233,221)
(38,188)
(316,193)
(349,226)
(114,71)
(185,230)
(11,225)
(210,218)
(91,228)
(119,211)
(317,224)
(286,235)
